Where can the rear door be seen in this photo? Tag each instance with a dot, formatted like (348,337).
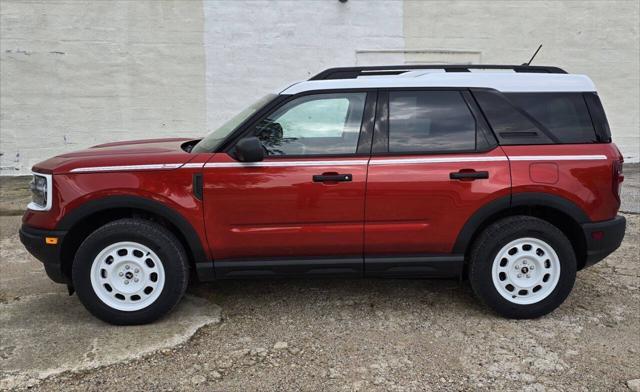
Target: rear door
(301,210)
(434,164)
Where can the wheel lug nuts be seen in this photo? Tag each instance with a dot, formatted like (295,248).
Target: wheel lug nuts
(126,282)
(517,266)
(126,267)
(532,268)
(528,276)
(136,270)
(519,275)
(524,262)
(136,280)
(121,273)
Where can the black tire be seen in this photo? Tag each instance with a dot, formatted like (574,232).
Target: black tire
(486,247)
(152,235)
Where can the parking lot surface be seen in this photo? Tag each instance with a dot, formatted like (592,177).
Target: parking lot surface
(272,335)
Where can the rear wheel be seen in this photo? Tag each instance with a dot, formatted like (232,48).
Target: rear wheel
(130,271)
(522,267)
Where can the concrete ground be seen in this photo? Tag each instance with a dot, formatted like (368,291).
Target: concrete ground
(322,334)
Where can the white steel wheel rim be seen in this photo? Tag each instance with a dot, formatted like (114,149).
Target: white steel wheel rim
(526,271)
(127,276)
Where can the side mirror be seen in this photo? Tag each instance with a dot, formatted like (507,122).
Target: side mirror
(249,149)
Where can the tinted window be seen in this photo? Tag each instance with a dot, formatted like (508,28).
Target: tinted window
(598,117)
(565,115)
(430,121)
(314,125)
(510,125)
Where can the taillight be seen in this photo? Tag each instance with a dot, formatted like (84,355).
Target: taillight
(618,177)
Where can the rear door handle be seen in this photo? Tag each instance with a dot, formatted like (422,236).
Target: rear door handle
(469,175)
(332,177)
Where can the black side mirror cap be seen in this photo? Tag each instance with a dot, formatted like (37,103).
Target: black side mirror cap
(249,149)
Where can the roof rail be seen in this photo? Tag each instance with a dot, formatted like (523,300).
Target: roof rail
(380,70)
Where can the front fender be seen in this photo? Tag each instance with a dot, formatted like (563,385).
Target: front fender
(86,210)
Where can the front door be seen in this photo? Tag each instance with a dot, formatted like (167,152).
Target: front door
(434,164)
(301,210)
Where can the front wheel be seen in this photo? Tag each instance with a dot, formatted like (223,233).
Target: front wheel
(522,267)
(130,271)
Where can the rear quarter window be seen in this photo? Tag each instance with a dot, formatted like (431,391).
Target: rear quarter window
(538,118)
(565,115)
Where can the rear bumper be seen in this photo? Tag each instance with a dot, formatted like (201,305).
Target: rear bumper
(50,255)
(602,238)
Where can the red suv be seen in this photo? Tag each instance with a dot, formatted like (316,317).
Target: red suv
(504,175)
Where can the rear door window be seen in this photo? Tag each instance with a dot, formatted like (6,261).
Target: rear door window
(430,121)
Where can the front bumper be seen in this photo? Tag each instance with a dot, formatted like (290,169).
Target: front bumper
(602,238)
(49,254)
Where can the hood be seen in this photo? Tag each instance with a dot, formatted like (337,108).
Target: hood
(165,153)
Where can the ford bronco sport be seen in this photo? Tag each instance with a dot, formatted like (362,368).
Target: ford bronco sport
(502,175)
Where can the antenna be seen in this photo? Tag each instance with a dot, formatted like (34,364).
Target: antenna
(534,55)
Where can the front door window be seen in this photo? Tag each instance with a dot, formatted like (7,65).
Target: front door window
(319,124)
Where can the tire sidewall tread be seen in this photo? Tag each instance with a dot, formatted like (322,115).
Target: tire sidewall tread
(156,237)
(498,234)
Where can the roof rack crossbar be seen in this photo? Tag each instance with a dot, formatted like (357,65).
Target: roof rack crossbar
(354,72)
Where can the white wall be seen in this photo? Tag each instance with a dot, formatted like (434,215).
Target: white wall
(597,38)
(78,73)
(256,47)
(75,73)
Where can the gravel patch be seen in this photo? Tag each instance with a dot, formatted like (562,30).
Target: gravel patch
(365,335)
(395,335)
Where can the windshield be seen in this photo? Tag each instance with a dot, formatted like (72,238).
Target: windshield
(214,138)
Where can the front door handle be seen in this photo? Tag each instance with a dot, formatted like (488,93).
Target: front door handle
(469,175)
(332,177)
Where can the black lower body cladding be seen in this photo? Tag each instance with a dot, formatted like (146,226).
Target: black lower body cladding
(603,238)
(34,240)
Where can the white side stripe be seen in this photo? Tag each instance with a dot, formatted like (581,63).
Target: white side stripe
(287,163)
(558,157)
(157,166)
(401,161)
(192,165)
(396,161)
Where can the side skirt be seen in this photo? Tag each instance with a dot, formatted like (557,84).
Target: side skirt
(272,267)
(414,266)
(405,266)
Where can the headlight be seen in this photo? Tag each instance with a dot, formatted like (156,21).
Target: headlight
(40,187)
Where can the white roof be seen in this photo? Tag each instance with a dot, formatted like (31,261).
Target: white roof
(501,81)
